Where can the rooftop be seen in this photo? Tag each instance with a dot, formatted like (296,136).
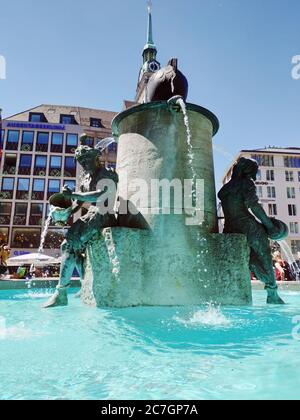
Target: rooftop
(52,114)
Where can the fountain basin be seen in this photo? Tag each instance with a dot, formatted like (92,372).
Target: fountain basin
(153,274)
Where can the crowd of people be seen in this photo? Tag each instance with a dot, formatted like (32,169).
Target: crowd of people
(23,272)
(282,269)
(4,257)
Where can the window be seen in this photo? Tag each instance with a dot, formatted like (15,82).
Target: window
(55,166)
(2,136)
(4,234)
(10,164)
(57,143)
(25,164)
(70,167)
(68,120)
(54,239)
(37,117)
(291,193)
(271,192)
(294,228)
(42,142)
(272,209)
(38,189)
(20,214)
(53,187)
(12,140)
(26,238)
(40,166)
(70,184)
(289,176)
(292,209)
(36,214)
(23,189)
(295,247)
(7,189)
(96,122)
(72,143)
(258,177)
(264,160)
(89,141)
(5,213)
(292,162)
(27,141)
(259,191)
(270,175)
(112,148)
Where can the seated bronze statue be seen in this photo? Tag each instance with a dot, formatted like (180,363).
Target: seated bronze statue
(238,198)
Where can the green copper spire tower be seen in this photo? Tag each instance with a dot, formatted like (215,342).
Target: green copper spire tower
(150,64)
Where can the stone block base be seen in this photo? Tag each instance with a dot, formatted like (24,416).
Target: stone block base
(139,271)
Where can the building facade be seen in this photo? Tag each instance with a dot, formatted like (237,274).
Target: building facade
(37,160)
(278,187)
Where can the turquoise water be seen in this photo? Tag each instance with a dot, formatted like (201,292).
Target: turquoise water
(147,353)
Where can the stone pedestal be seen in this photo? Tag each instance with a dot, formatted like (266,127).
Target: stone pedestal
(152,145)
(171,263)
(151,274)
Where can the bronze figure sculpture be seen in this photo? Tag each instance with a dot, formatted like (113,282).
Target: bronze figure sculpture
(239,196)
(87,226)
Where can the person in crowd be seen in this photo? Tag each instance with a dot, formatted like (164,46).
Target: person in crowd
(283,271)
(21,272)
(5,252)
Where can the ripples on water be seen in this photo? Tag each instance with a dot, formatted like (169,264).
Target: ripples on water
(157,353)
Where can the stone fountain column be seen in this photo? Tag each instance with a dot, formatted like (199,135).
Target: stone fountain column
(155,258)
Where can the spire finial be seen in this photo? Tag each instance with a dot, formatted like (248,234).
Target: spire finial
(150,30)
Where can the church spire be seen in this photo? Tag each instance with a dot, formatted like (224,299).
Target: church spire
(150,64)
(150,49)
(150,41)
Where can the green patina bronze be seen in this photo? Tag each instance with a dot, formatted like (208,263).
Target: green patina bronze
(238,197)
(86,227)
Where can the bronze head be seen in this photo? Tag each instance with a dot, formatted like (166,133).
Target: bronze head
(245,168)
(87,156)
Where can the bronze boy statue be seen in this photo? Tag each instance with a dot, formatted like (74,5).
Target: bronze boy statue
(238,197)
(84,229)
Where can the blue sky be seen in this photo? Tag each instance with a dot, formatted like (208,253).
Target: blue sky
(236,54)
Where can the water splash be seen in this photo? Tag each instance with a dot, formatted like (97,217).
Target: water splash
(211,317)
(104,143)
(17,332)
(191,155)
(113,257)
(45,230)
(289,257)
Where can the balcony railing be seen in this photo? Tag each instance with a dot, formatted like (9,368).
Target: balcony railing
(24,171)
(38,195)
(9,170)
(27,147)
(35,220)
(6,195)
(70,173)
(12,146)
(42,148)
(22,195)
(20,220)
(55,172)
(55,148)
(4,219)
(39,171)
